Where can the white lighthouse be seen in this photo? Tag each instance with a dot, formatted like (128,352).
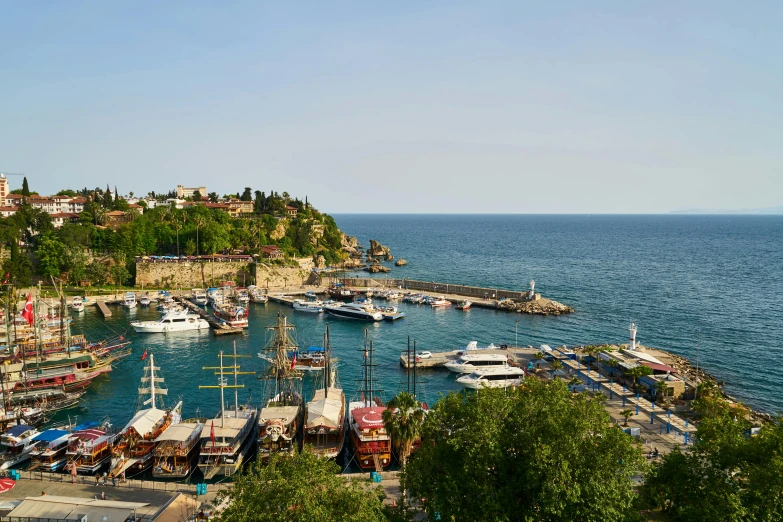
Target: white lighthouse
(632,329)
(532,289)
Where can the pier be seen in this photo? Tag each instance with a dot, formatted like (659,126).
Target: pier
(219,328)
(103,308)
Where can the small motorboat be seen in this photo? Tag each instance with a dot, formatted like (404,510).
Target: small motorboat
(77,304)
(464,305)
(441,302)
(145,301)
(315,307)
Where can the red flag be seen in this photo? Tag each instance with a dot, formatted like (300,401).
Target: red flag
(27,313)
(212,434)
(144,355)
(7,277)
(293,362)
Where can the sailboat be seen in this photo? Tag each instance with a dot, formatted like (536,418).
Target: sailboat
(280,421)
(136,443)
(324,427)
(176,455)
(370,442)
(227,440)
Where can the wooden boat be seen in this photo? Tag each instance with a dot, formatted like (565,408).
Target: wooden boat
(340,292)
(463,305)
(324,426)
(89,448)
(176,455)
(49,453)
(233,316)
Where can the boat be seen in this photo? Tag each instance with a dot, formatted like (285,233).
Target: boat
(16,444)
(464,305)
(310,295)
(89,448)
(391,313)
(242,295)
(230,315)
(49,452)
(130,300)
(280,420)
(134,447)
(440,302)
(314,307)
(341,293)
(145,301)
(77,304)
(493,378)
(371,444)
(174,321)
(469,362)
(198,296)
(232,434)
(360,311)
(177,452)
(257,296)
(324,425)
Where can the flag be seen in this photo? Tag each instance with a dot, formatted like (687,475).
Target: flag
(27,313)
(122,338)
(144,355)
(7,277)
(212,434)
(293,362)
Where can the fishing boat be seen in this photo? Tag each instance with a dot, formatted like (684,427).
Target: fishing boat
(340,292)
(370,443)
(77,304)
(324,426)
(130,300)
(361,311)
(16,444)
(174,321)
(134,448)
(49,452)
(463,305)
(145,301)
(176,455)
(313,307)
(198,296)
(493,378)
(232,434)
(89,448)
(257,295)
(233,316)
(280,420)
(440,302)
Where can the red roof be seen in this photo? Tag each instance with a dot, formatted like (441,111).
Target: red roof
(658,367)
(368,418)
(90,434)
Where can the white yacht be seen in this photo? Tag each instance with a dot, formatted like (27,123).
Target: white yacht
(77,304)
(314,307)
(198,296)
(130,300)
(476,361)
(172,322)
(361,311)
(16,444)
(493,378)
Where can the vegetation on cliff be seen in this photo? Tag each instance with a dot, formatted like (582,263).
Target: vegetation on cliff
(93,247)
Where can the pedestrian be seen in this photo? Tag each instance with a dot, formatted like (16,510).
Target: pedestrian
(103,495)
(105,478)
(113,480)
(122,477)
(97,479)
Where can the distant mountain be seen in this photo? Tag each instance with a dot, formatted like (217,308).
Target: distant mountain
(756,211)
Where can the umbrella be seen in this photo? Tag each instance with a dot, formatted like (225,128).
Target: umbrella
(6,484)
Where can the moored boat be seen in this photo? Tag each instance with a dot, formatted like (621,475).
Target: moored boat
(89,448)
(198,296)
(233,316)
(314,307)
(493,378)
(324,425)
(130,300)
(49,452)
(463,305)
(360,311)
(77,304)
(177,452)
(174,321)
(16,444)
(469,362)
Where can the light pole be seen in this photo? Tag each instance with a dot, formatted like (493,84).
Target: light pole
(516,333)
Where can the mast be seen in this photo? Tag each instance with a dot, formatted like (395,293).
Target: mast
(222,382)
(152,379)
(414,368)
(407,367)
(326,369)
(37,330)
(236,393)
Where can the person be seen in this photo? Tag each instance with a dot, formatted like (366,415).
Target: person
(103,495)
(113,480)
(122,477)
(43,493)
(105,478)
(97,479)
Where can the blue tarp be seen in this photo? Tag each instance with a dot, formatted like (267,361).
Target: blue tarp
(86,426)
(315,349)
(18,430)
(50,435)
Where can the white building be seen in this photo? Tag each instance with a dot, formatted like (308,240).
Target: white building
(184,192)
(3,189)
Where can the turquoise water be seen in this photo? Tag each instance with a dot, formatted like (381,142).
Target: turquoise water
(672,275)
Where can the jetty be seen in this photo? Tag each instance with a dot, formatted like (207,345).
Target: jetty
(103,308)
(218,327)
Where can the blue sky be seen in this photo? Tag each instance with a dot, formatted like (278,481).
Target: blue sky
(509,107)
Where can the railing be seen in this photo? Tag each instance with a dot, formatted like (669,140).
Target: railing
(148,485)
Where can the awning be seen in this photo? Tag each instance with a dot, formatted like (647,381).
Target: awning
(659,367)
(181,432)
(145,420)
(17,430)
(325,411)
(50,435)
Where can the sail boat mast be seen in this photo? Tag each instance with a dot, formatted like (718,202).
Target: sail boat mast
(152,379)
(236,391)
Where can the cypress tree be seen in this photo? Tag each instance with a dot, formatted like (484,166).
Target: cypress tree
(25,187)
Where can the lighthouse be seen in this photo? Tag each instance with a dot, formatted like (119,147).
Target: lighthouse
(532,289)
(632,329)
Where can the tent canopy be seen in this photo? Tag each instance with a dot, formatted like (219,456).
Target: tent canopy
(145,420)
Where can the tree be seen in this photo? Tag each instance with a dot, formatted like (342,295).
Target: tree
(627,414)
(119,274)
(213,197)
(25,187)
(50,254)
(247,195)
(534,452)
(302,487)
(557,364)
(403,419)
(661,388)
(97,273)
(638,371)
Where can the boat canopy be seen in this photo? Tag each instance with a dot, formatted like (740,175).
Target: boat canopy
(226,428)
(89,434)
(50,435)
(181,432)
(145,420)
(86,426)
(284,413)
(17,430)
(315,349)
(327,411)
(368,418)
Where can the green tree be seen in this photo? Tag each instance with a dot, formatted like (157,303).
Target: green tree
(50,254)
(535,452)
(304,488)
(637,371)
(18,266)
(25,187)
(247,195)
(97,273)
(627,414)
(403,419)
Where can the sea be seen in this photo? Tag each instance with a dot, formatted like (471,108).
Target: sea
(709,288)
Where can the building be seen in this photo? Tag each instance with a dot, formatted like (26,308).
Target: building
(7,211)
(675,387)
(174,203)
(115,218)
(53,508)
(49,204)
(3,189)
(291,211)
(61,218)
(237,207)
(271,252)
(184,192)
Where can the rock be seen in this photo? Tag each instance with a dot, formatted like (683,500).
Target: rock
(376,268)
(353,263)
(351,245)
(319,261)
(377,250)
(400,262)
(389,257)
(279,231)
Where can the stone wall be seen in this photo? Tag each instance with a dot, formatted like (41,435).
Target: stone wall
(203,274)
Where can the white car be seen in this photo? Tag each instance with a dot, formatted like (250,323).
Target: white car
(424,355)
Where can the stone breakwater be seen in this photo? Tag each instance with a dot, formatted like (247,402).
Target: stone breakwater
(540,306)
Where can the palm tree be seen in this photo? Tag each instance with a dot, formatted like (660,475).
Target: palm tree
(661,387)
(199,222)
(627,414)
(556,364)
(403,419)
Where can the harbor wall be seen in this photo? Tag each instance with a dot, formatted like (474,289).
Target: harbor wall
(444,288)
(203,274)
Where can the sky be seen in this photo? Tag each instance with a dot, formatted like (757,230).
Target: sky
(402,107)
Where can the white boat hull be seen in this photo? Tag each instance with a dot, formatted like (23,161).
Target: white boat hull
(477,384)
(155,327)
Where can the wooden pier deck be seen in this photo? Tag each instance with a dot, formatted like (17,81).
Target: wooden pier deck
(103,308)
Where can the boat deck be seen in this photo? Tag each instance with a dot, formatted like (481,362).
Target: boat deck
(517,355)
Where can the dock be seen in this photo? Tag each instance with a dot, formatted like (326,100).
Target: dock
(103,308)
(218,327)
(517,356)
